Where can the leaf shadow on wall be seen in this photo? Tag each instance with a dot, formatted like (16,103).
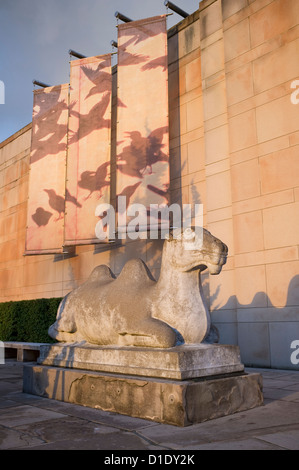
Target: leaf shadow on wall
(137,159)
(142,153)
(48,133)
(91,121)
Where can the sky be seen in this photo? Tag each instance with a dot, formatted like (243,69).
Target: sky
(36,35)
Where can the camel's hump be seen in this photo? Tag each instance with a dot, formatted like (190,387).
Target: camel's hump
(101,273)
(135,272)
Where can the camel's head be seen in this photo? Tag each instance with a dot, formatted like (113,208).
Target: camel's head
(195,249)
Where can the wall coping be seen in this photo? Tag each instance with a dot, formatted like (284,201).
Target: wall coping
(15,135)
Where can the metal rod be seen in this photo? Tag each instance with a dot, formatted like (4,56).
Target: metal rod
(122,17)
(113,43)
(178,10)
(43,85)
(76,54)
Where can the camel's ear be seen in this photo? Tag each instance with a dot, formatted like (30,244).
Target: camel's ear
(174,234)
(177,233)
(168,236)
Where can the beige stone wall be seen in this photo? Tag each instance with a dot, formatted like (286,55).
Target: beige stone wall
(13,212)
(252,53)
(234,148)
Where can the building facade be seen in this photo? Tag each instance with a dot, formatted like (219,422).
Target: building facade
(234,147)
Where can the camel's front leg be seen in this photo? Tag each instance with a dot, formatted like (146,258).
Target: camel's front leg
(149,333)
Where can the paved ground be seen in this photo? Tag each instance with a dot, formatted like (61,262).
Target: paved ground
(30,422)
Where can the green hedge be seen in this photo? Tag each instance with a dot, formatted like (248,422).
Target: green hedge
(28,320)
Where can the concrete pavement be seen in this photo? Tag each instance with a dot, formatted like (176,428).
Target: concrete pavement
(35,423)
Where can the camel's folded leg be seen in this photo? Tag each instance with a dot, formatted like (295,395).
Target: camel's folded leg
(150,333)
(64,336)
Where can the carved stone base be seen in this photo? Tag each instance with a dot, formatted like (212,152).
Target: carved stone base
(179,403)
(181,386)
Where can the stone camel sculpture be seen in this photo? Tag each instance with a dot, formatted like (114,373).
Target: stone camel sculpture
(134,309)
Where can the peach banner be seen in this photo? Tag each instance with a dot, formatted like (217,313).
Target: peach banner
(46,202)
(142,132)
(88,159)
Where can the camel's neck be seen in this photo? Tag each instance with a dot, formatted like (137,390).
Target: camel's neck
(180,302)
(178,280)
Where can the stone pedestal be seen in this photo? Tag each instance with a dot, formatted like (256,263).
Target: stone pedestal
(181,386)
(181,362)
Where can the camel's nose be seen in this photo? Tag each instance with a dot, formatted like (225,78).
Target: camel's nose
(225,248)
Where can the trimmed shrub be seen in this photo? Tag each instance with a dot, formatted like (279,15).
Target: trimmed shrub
(28,320)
